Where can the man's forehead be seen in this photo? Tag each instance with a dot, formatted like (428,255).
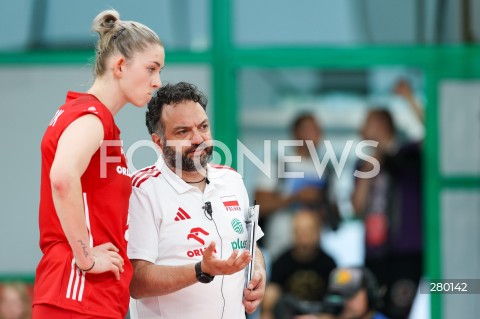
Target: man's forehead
(182,114)
(185,105)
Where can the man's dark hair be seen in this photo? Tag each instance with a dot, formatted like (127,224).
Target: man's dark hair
(170,94)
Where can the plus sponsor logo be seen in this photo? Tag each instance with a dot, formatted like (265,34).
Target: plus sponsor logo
(237,226)
(231,203)
(239,244)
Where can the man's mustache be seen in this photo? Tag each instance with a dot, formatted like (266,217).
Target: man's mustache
(198,148)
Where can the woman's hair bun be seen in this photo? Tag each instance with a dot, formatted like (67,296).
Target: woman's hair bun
(105,21)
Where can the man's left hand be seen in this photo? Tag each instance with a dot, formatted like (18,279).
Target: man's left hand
(253,294)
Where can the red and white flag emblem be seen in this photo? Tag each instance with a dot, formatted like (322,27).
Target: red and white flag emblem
(230,203)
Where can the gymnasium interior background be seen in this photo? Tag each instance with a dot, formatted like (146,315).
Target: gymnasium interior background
(261,62)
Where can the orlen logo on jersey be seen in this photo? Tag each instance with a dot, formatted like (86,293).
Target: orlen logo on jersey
(123,171)
(196,234)
(197,252)
(105,158)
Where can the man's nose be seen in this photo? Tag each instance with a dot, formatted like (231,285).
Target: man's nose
(197,137)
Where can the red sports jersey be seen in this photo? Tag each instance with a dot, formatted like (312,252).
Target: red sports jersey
(106,187)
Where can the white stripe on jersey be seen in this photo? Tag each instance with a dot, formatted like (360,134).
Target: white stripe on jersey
(72,273)
(75,286)
(79,276)
(82,285)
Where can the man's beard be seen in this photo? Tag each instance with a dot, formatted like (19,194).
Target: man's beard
(195,163)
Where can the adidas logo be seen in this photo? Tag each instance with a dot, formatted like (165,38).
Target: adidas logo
(181,215)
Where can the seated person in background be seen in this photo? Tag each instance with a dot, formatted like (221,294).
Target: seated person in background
(280,196)
(353,293)
(359,290)
(15,301)
(302,271)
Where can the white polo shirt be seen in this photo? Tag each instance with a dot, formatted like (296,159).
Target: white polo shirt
(168,226)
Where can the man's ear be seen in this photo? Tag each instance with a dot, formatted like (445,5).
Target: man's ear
(157,140)
(119,66)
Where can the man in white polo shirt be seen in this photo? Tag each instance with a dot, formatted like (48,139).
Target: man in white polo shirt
(187,230)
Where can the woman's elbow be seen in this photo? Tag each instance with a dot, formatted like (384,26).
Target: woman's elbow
(61,181)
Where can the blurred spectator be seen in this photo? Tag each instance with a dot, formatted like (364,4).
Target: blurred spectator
(391,207)
(353,293)
(301,273)
(15,301)
(358,292)
(280,196)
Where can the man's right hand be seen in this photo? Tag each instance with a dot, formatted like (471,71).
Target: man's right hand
(214,266)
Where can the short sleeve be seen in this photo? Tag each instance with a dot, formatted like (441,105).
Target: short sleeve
(142,230)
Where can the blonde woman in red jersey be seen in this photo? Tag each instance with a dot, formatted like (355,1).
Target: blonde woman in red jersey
(85,184)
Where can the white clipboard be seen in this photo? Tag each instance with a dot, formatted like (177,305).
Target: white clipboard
(251,222)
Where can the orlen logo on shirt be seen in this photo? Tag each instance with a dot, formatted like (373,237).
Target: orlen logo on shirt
(197,252)
(105,158)
(123,171)
(196,234)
